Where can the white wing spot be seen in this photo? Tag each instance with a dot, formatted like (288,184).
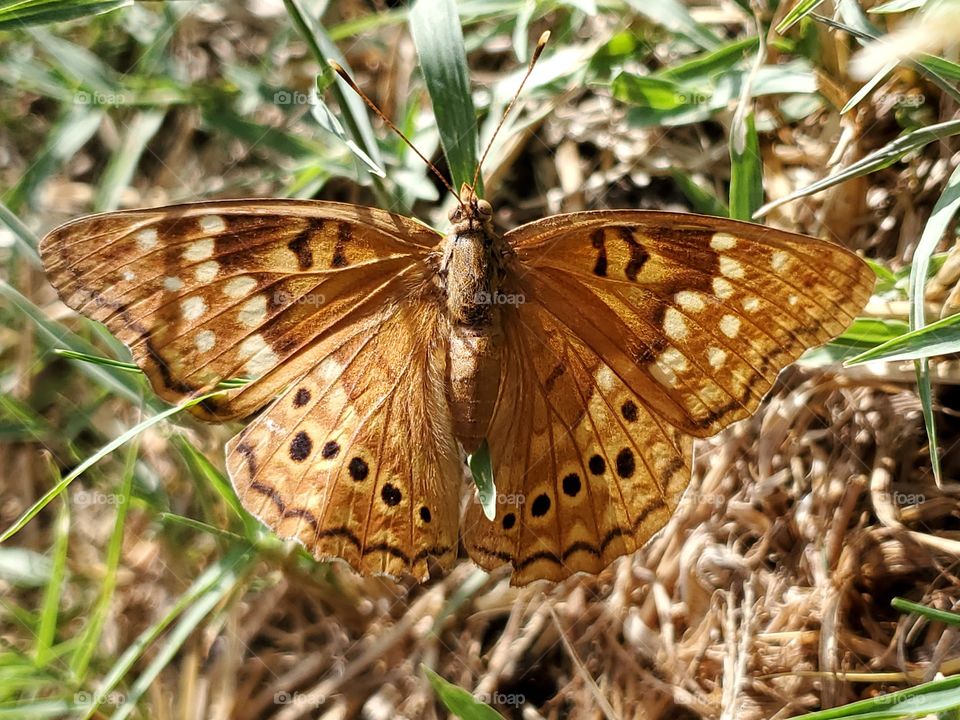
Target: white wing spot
(674,324)
(254,311)
(239,287)
(674,359)
(128,275)
(205,340)
(723,241)
(172,283)
(258,355)
(730,267)
(793,299)
(193,307)
(730,325)
(146,238)
(606,379)
(689,300)
(199,250)
(207,271)
(212,224)
(779,260)
(751,304)
(722,288)
(664,375)
(716,357)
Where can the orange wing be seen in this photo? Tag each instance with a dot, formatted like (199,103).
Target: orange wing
(639,331)
(208,291)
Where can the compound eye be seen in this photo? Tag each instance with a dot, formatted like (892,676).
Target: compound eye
(484,208)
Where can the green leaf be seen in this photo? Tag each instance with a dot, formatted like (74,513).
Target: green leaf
(675,17)
(14,14)
(939,338)
(877,160)
(936,226)
(746,167)
(897,6)
(436,31)
(944,616)
(796,14)
(920,700)
(459,701)
(481,467)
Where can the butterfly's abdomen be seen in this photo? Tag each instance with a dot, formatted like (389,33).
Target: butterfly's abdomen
(471,282)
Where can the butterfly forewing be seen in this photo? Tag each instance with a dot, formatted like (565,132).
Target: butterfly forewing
(209,291)
(638,331)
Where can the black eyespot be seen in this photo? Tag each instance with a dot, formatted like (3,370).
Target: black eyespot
(425,514)
(597,465)
(391,495)
(300,446)
(330,450)
(629,411)
(358,469)
(571,484)
(625,463)
(541,505)
(509,520)
(301,398)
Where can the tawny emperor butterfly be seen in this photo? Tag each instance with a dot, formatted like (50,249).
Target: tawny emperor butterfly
(588,349)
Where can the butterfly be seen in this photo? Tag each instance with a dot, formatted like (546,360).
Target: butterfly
(587,350)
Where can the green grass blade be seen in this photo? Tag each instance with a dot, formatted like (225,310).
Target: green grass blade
(917,701)
(14,15)
(938,338)
(746,165)
(211,585)
(90,639)
(436,32)
(60,486)
(119,171)
(50,608)
(24,240)
(877,160)
(944,209)
(459,701)
(944,616)
(481,467)
(233,568)
(675,17)
(796,14)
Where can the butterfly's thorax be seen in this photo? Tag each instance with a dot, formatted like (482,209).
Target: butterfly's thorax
(471,272)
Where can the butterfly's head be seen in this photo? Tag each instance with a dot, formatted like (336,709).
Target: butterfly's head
(471,213)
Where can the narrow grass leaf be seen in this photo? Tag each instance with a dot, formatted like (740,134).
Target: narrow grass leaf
(920,700)
(457,700)
(90,640)
(233,568)
(746,166)
(868,87)
(898,6)
(938,338)
(50,607)
(14,15)
(436,31)
(209,588)
(796,14)
(24,240)
(877,160)
(944,616)
(676,17)
(61,485)
(123,162)
(936,226)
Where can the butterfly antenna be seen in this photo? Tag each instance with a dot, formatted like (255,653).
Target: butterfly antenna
(338,69)
(537,51)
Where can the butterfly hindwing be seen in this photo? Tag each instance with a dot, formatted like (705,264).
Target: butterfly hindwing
(208,291)
(357,460)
